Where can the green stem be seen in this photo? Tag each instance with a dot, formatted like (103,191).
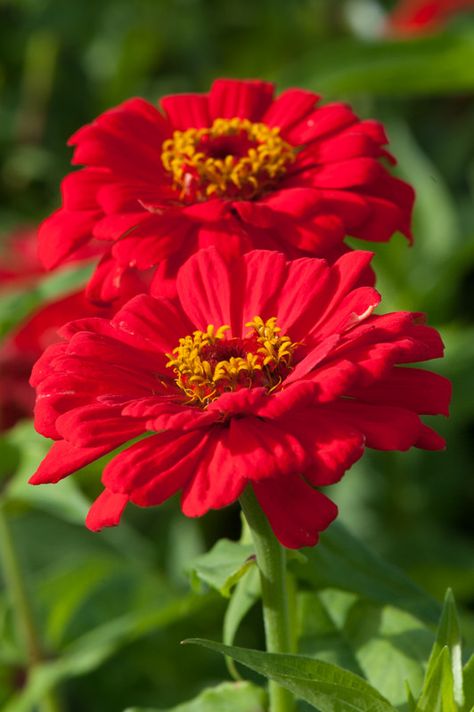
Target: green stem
(16,587)
(271,561)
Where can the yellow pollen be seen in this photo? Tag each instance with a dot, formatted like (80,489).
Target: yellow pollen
(209,363)
(234,158)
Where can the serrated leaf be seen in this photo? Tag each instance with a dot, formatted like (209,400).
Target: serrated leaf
(228,697)
(223,565)
(341,561)
(437,693)
(449,635)
(326,687)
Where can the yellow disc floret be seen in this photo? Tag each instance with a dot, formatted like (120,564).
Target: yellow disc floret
(233,158)
(210,363)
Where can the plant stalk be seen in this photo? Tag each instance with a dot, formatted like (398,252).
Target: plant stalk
(271,561)
(25,619)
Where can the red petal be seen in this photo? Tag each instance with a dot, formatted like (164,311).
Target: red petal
(155,325)
(63,459)
(301,296)
(204,288)
(216,482)
(187,110)
(96,425)
(106,511)
(260,285)
(79,189)
(430,440)
(291,106)
(261,449)
(333,445)
(413,388)
(384,427)
(63,233)
(295,202)
(353,173)
(231,98)
(313,358)
(321,122)
(296,511)
(155,468)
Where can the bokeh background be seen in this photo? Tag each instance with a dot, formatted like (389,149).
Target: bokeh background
(112,607)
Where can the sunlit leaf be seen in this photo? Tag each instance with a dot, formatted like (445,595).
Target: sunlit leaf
(437,693)
(326,687)
(449,636)
(384,645)
(468,680)
(223,566)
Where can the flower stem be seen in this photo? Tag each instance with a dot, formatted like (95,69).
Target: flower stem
(16,587)
(271,561)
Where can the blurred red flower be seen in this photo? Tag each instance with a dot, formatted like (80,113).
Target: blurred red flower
(413,17)
(261,371)
(20,269)
(235,168)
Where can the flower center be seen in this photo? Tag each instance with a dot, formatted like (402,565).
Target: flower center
(234,158)
(210,363)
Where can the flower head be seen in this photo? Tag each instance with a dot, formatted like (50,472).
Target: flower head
(415,17)
(261,373)
(235,168)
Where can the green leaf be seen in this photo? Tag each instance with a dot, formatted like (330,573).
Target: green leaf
(223,566)
(384,645)
(15,306)
(228,697)
(64,499)
(449,636)
(438,689)
(430,65)
(92,649)
(468,679)
(341,561)
(245,594)
(325,686)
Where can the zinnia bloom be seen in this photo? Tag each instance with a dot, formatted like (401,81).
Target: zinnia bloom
(235,169)
(20,269)
(261,372)
(22,347)
(414,17)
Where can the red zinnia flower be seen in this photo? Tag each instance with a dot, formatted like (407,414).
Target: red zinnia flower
(20,268)
(413,17)
(25,345)
(261,372)
(234,168)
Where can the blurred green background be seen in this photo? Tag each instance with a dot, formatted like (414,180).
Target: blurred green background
(112,607)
